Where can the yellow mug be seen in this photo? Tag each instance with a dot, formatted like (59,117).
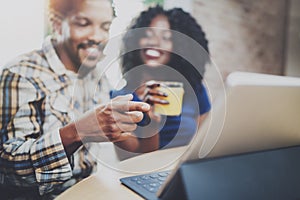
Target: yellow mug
(175,92)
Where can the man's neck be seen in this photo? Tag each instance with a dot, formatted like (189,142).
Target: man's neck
(64,57)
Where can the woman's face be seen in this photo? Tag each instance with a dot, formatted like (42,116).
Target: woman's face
(157,43)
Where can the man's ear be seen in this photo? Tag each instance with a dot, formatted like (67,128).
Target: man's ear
(57,26)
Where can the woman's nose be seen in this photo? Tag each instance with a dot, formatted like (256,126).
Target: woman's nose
(153,41)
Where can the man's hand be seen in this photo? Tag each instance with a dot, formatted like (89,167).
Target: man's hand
(114,121)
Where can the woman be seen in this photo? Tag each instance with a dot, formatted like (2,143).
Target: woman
(155,50)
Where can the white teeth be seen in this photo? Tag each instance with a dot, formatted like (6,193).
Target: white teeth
(153,53)
(92,49)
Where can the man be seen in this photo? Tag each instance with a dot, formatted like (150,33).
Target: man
(44,134)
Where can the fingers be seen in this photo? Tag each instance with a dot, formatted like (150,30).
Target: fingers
(121,115)
(151,89)
(121,137)
(152,84)
(124,104)
(152,95)
(138,106)
(127,127)
(110,120)
(131,117)
(118,131)
(156,93)
(155,100)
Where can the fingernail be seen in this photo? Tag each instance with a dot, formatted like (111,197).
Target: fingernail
(139,114)
(145,106)
(129,95)
(164,102)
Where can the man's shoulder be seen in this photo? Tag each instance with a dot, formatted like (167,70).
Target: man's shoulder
(30,65)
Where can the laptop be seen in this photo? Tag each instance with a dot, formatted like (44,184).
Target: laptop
(255,112)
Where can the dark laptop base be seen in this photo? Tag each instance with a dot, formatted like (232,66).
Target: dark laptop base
(273,174)
(146,185)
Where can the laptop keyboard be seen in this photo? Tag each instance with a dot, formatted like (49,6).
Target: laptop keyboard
(146,185)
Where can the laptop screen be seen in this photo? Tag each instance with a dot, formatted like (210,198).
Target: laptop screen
(257,112)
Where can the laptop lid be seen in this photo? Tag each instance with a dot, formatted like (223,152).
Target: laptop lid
(255,112)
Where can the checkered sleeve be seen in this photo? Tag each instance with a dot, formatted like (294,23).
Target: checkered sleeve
(29,155)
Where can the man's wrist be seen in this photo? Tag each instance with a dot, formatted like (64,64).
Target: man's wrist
(70,139)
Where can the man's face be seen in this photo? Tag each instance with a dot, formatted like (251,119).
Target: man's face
(84,34)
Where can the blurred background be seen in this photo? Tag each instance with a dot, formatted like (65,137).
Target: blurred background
(256,36)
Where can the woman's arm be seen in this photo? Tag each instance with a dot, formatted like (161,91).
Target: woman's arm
(201,118)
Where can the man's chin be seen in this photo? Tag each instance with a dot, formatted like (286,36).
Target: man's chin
(86,67)
(91,61)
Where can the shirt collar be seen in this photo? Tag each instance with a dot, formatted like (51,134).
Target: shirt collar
(59,68)
(55,63)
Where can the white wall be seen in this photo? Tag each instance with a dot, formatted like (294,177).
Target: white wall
(293,41)
(125,11)
(186,5)
(22,27)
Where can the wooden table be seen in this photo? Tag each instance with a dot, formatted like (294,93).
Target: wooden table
(105,183)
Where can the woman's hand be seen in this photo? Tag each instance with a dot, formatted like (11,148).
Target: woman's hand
(149,92)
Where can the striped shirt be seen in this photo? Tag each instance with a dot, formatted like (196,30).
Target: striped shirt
(38,97)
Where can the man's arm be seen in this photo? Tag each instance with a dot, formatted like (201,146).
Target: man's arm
(27,153)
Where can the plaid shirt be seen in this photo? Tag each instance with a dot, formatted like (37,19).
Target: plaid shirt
(39,96)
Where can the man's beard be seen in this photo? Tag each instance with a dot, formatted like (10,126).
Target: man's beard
(89,63)
(84,70)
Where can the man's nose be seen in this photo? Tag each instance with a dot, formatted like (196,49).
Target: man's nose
(98,35)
